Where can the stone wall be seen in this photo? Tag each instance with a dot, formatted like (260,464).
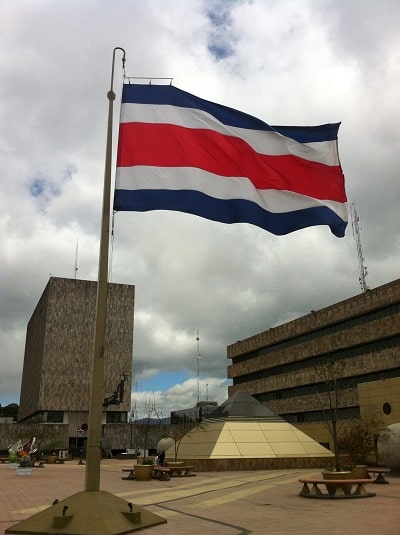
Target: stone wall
(227,465)
(51,437)
(59,347)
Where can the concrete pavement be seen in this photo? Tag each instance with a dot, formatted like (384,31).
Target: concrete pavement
(224,503)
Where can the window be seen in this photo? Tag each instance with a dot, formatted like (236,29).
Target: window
(387,409)
(114,417)
(55,417)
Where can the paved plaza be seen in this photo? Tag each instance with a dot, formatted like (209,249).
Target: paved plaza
(224,503)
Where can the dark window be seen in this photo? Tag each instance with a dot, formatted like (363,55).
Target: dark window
(114,417)
(387,409)
(55,417)
(346,413)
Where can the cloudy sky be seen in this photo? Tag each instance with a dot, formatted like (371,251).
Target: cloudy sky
(294,62)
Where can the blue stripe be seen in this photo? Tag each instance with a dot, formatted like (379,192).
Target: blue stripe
(227,211)
(170,95)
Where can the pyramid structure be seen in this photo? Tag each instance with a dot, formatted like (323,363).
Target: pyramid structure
(241,428)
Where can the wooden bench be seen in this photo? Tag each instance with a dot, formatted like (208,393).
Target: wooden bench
(3,460)
(161,473)
(182,471)
(380,480)
(336,488)
(131,473)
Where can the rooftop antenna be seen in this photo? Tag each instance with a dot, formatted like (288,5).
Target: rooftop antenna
(355,222)
(76,258)
(198,366)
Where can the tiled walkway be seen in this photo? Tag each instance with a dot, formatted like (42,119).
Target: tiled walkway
(224,503)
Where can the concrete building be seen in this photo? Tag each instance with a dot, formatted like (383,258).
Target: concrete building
(56,375)
(282,366)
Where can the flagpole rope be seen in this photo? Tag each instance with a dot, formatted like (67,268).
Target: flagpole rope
(111,246)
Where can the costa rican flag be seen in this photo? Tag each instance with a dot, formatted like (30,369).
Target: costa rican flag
(179,152)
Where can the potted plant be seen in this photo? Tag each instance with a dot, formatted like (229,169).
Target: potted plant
(338,471)
(144,471)
(51,459)
(358,442)
(12,461)
(25,464)
(13,455)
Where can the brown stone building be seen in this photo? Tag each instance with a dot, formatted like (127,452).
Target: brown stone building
(282,367)
(56,375)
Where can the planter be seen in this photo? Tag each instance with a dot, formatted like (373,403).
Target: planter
(51,459)
(337,475)
(360,472)
(143,472)
(174,463)
(22,471)
(148,458)
(12,466)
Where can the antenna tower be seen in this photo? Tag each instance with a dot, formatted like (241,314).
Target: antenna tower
(76,259)
(198,366)
(355,222)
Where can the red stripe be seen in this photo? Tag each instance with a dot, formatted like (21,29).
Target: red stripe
(162,145)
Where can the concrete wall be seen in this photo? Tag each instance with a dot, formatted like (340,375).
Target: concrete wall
(225,465)
(59,347)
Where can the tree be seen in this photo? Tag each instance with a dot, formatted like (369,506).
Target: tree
(10,410)
(332,395)
(151,422)
(359,440)
(179,430)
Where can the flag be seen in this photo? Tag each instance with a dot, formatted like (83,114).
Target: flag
(179,152)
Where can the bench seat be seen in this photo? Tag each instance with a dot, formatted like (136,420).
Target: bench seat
(336,488)
(182,471)
(380,479)
(159,472)
(131,473)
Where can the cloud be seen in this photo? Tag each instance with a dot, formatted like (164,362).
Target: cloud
(286,62)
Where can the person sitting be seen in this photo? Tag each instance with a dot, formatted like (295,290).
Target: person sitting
(159,460)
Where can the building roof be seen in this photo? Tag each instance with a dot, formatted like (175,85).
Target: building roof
(242,427)
(243,405)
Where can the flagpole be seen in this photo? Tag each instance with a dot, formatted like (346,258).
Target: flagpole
(93,451)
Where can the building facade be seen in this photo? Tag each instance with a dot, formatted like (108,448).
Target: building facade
(56,378)
(283,366)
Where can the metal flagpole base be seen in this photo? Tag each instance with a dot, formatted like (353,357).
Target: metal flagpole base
(89,513)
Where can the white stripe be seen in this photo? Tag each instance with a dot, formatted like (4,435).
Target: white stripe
(268,143)
(181,178)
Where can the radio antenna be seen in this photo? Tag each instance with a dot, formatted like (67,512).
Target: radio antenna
(355,222)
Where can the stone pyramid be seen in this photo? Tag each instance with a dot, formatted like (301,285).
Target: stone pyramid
(242,427)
